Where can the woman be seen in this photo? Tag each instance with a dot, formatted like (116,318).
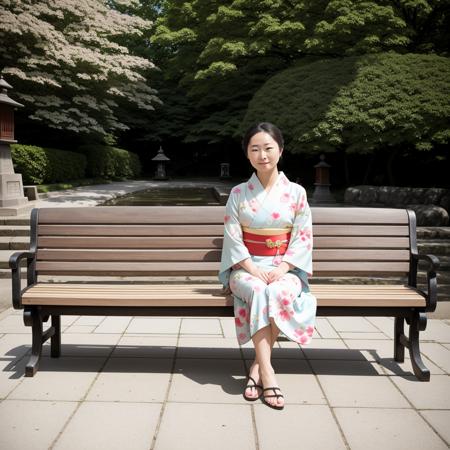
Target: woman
(266,260)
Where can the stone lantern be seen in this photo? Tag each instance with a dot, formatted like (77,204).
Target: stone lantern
(12,200)
(322,192)
(161,159)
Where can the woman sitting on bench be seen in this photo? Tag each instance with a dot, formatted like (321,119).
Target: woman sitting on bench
(266,260)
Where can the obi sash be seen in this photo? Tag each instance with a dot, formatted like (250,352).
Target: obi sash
(266,241)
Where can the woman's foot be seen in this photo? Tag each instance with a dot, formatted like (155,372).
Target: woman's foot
(271,395)
(253,389)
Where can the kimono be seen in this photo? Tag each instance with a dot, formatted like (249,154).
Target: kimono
(288,301)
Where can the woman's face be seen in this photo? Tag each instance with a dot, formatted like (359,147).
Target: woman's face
(263,152)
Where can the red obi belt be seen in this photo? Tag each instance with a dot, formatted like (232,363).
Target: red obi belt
(266,241)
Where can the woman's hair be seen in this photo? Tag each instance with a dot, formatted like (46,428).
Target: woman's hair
(266,127)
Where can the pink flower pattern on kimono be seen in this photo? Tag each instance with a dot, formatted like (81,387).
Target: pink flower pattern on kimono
(255,302)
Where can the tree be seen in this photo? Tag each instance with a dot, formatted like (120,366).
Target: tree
(69,65)
(219,53)
(359,104)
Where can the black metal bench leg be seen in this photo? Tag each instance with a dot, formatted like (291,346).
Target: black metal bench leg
(418,323)
(34,319)
(399,348)
(55,341)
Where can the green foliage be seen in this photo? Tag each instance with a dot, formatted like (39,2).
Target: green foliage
(81,67)
(47,165)
(360,104)
(111,162)
(217,54)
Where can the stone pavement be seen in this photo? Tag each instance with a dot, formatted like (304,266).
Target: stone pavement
(176,383)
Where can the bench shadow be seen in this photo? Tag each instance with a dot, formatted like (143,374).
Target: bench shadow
(204,365)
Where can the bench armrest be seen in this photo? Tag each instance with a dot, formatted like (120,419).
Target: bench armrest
(14,264)
(433,266)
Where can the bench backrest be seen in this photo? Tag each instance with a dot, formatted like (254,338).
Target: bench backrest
(187,240)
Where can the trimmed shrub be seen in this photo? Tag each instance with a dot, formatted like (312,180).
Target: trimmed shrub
(110,162)
(40,165)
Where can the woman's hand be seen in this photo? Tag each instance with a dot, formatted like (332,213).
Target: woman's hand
(226,291)
(279,272)
(261,274)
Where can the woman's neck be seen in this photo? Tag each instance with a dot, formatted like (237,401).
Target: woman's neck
(267,179)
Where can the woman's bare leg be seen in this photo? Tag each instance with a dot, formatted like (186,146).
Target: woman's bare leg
(263,341)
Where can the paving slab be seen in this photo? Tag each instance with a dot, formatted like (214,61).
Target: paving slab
(207,381)
(434,394)
(297,382)
(32,425)
(145,347)
(375,391)
(439,420)
(383,353)
(121,426)
(59,379)
(439,354)
(325,329)
(353,324)
(154,325)
(393,429)
(85,345)
(132,380)
(208,347)
(194,426)
(113,325)
(298,426)
(11,373)
(228,327)
(201,326)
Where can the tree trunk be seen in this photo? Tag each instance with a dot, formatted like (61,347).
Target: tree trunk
(368,169)
(346,170)
(389,166)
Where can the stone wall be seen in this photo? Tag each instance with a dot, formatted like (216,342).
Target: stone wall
(431,205)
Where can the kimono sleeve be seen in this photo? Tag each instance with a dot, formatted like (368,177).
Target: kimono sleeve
(234,249)
(299,251)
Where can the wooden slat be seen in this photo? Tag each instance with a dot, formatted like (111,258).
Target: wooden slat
(133,215)
(206,215)
(208,230)
(207,242)
(209,295)
(361,242)
(137,268)
(206,255)
(129,255)
(129,242)
(322,215)
(130,230)
(192,268)
(361,230)
(360,255)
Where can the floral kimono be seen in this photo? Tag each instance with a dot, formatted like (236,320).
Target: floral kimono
(287,301)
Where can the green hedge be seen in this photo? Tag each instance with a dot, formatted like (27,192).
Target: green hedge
(40,165)
(110,162)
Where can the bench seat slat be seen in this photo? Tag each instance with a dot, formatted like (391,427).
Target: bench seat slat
(186,268)
(208,295)
(211,215)
(143,242)
(207,255)
(208,230)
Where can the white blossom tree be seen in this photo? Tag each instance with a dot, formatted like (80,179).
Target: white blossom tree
(69,65)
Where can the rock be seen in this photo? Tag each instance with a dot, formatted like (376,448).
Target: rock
(430,215)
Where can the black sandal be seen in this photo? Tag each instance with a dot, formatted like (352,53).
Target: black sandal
(274,389)
(254,385)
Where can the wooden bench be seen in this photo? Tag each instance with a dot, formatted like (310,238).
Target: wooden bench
(186,241)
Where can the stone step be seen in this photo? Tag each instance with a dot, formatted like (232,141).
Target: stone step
(434,247)
(14,230)
(14,243)
(433,233)
(15,220)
